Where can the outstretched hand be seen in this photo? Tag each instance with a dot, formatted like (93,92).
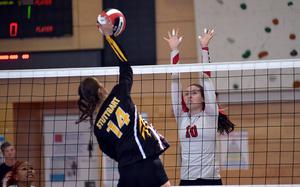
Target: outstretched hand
(205,38)
(104,25)
(173,39)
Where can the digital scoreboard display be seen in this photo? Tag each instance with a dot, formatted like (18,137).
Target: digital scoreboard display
(35,18)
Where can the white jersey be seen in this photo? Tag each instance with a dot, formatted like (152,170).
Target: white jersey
(197,133)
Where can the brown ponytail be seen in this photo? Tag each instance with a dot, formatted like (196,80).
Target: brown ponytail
(89,98)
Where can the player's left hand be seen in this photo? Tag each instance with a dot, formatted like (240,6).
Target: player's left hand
(205,38)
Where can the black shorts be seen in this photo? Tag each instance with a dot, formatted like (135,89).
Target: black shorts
(200,182)
(146,173)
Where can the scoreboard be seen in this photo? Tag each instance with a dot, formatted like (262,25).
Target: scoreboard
(35,18)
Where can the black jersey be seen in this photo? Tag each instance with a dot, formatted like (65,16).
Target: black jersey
(3,170)
(121,132)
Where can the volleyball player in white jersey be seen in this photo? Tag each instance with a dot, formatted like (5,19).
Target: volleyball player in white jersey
(197,114)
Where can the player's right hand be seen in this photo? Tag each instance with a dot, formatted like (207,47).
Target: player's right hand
(104,25)
(173,39)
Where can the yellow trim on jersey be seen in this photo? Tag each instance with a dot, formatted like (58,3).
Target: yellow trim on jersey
(144,129)
(116,49)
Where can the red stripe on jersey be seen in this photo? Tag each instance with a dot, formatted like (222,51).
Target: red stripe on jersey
(183,105)
(208,73)
(221,110)
(175,59)
(205,48)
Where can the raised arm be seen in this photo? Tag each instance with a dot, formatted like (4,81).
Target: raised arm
(176,95)
(211,106)
(126,75)
(174,41)
(204,40)
(119,52)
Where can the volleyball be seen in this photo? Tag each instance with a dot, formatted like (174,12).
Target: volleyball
(116,17)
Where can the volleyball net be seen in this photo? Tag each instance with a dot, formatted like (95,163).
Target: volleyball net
(38,110)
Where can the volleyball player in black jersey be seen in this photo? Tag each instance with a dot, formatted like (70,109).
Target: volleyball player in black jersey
(121,132)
